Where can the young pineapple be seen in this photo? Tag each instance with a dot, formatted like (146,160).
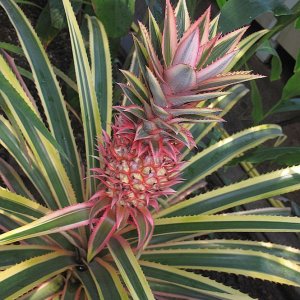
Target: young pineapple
(143,158)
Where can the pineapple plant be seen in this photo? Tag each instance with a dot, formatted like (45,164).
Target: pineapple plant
(143,159)
(121,227)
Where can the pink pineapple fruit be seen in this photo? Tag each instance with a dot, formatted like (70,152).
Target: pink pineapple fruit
(179,68)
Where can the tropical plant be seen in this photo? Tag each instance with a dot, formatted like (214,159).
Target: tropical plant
(114,222)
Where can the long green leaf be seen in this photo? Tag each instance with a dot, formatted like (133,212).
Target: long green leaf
(17,50)
(182,228)
(226,103)
(224,223)
(9,140)
(217,155)
(173,275)
(244,45)
(89,283)
(173,291)
(130,270)
(87,96)
(169,38)
(41,142)
(14,254)
(101,70)
(9,221)
(253,189)
(257,103)
(182,18)
(17,204)
(286,252)
(107,279)
(13,180)
(244,262)
(23,277)
(47,289)
(61,220)
(100,235)
(281,155)
(49,92)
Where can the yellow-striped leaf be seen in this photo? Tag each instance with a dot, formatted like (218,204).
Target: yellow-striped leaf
(41,142)
(244,262)
(226,103)
(183,278)
(253,189)
(217,155)
(87,96)
(13,180)
(18,204)
(9,140)
(64,219)
(101,70)
(286,252)
(130,269)
(23,277)
(107,280)
(14,254)
(49,92)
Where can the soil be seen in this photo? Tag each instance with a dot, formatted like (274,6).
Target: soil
(59,52)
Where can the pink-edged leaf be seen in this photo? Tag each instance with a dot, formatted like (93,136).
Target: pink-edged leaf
(187,50)
(204,26)
(169,38)
(153,59)
(168,127)
(122,214)
(157,93)
(104,229)
(155,35)
(226,44)
(80,294)
(222,81)
(196,119)
(180,78)
(142,55)
(196,35)
(216,67)
(144,227)
(129,268)
(183,138)
(61,220)
(136,84)
(141,133)
(130,93)
(184,99)
(232,39)
(99,205)
(182,18)
(213,26)
(132,109)
(193,111)
(205,51)
(159,111)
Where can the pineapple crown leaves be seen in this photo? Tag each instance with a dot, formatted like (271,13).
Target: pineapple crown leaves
(180,67)
(192,59)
